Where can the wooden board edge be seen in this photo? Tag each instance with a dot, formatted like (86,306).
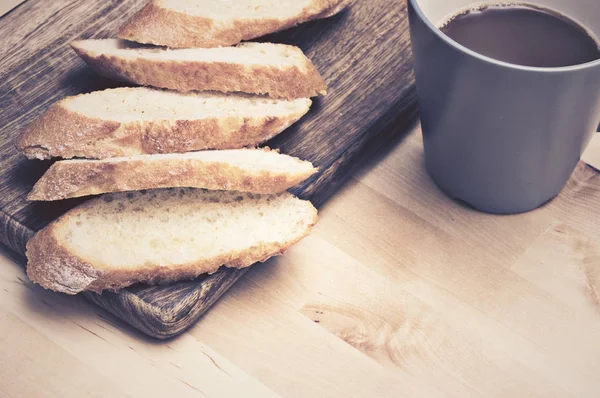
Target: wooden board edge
(157,322)
(13,234)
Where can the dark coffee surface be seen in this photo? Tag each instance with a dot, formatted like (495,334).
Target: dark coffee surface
(524,35)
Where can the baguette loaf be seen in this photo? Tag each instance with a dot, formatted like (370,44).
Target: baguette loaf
(214,23)
(162,236)
(278,70)
(247,170)
(134,121)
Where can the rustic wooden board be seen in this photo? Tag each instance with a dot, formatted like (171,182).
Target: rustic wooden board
(364,54)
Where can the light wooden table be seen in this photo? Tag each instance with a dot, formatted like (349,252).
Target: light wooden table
(399,292)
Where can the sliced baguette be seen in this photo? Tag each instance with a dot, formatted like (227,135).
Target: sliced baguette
(135,121)
(214,23)
(277,70)
(162,236)
(247,170)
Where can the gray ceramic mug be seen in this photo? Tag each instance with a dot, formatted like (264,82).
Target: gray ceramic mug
(501,137)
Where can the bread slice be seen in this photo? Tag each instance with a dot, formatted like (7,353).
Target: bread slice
(214,23)
(277,70)
(135,121)
(247,170)
(162,236)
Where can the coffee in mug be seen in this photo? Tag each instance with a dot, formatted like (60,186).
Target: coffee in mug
(523,34)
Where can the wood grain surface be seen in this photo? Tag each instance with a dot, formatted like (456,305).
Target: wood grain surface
(363,54)
(399,292)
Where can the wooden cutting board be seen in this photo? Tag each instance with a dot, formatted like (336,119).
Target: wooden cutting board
(363,53)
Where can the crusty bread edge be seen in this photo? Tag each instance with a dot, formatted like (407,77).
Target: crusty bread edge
(289,83)
(67,179)
(57,127)
(52,266)
(341,6)
(57,133)
(156,25)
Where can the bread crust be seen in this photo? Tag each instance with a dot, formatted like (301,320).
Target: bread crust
(65,179)
(301,81)
(160,26)
(60,132)
(51,265)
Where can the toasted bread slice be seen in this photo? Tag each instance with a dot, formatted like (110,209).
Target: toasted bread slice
(135,121)
(246,170)
(214,23)
(162,236)
(277,70)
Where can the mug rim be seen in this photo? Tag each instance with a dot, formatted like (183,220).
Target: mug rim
(485,58)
